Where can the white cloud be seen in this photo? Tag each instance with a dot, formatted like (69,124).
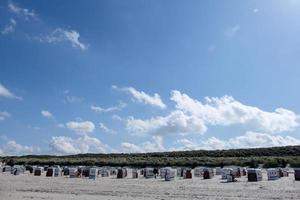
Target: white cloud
(176,123)
(85,144)
(60,125)
(131,148)
(193,116)
(47,114)
(73,99)
(143,97)
(100,109)
(156,145)
(215,143)
(81,127)
(227,111)
(106,129)
(255,10)
(109,109)
(62,35)
(23,12)
(248,140)
(186,144)
(212,143)
(55,36)
(116,117)
(64,145)
(68,98)
(4,92)
(4,115)
(9,28)
(12,148)
(232,31)
(253,139)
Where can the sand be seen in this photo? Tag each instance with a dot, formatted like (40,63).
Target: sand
(26,186)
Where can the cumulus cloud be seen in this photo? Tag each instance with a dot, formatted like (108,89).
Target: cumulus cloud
(12,148)
(232,31)
(187,144)
(130,148)
(4,92)
(85,144)
(22,12)
(47,114)
(4,115)
(212,143)
(63,35)
(83,127)
(177,122)
(156,145)
(253,139)
(109,109)
(215,143)
(193,116)
(227,111)
(248,140)
(106,129)
(143,97)
(10,27)
(63,145)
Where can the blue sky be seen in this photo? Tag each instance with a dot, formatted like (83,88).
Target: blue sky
(143,76)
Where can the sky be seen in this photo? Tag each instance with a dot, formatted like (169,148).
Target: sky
(148,76)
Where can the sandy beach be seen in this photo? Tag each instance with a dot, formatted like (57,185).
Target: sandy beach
(26,186)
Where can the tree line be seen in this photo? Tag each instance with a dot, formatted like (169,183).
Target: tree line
(267,157)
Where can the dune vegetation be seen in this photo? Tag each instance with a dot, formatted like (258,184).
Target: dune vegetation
(267,157)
